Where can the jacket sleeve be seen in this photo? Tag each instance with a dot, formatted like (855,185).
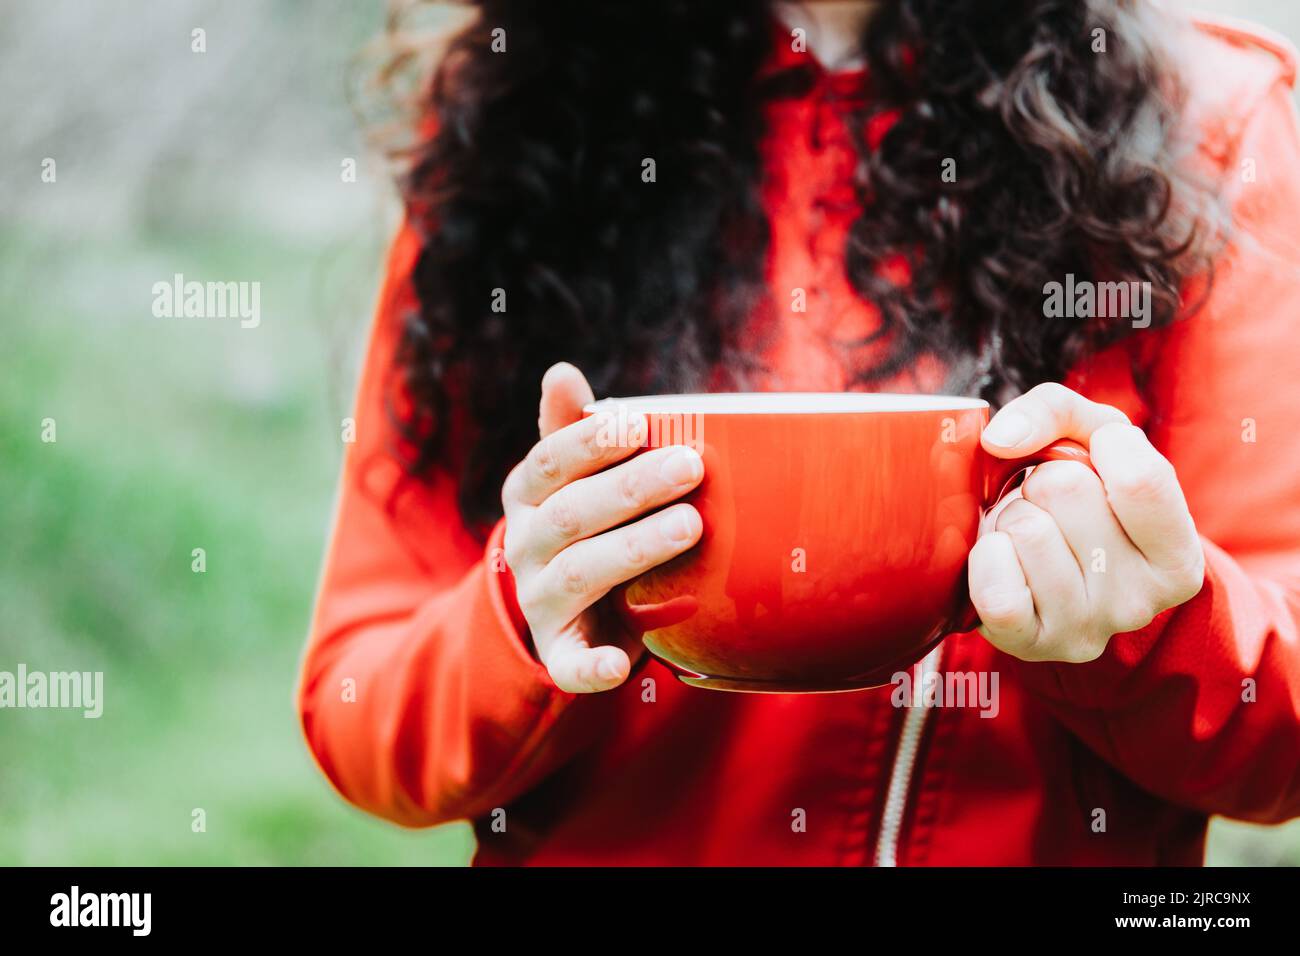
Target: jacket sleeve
(419,695)
(1202,707)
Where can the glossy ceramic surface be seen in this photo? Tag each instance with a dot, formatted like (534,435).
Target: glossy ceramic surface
(835,540)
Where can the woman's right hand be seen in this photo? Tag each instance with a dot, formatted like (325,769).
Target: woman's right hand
(561,502)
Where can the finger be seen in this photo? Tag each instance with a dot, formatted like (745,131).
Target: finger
(611,497)
(1001,595)
(1146,497)
(575,451)
(1118,579)
(578,668)
(565,393)
(1050,569)
(1074,497)
(584,572)
(1042,415)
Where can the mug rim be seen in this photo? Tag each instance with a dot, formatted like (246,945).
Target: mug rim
(787,403)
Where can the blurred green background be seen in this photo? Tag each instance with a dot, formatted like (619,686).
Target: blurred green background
(178,434)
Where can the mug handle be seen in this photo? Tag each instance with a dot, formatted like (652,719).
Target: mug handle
(999,475)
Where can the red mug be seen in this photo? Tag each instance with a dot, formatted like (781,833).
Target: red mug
(836,532)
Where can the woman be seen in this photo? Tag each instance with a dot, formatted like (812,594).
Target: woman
(622,198)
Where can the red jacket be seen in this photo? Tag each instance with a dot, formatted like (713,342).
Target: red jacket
(422,702)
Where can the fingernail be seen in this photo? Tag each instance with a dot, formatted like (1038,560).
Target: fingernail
(678,525)
(607,670)
(682,467)
(1007,430)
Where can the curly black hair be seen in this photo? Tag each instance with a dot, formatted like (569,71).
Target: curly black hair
(542,243)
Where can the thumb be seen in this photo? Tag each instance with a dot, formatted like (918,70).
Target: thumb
(564,392)
(1042,415)
(578,668)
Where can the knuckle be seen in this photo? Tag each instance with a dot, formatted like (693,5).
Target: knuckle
(543,459)
(1112,431)
(1132,613)
(631,489)
(592,682)
(1189,580)
(1145,484)
(1051,399)
(584,677)
(1184,583)
(1051,393)
(570,575)
(1028,523)
(562,517)
(634,549)
(592,440)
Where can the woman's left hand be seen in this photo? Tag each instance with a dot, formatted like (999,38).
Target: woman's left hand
(1081,556)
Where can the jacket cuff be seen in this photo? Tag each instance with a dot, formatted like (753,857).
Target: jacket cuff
(501,585)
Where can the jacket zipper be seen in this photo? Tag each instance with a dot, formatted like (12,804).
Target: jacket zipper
(900,775)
